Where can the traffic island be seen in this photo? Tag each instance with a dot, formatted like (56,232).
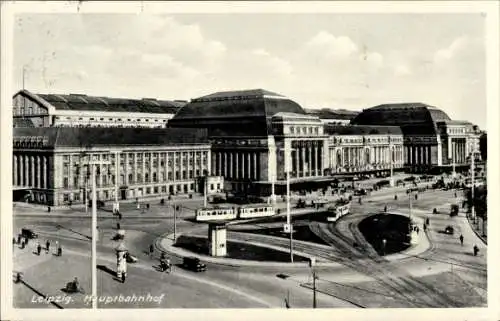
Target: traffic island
(237,250)
(386,233)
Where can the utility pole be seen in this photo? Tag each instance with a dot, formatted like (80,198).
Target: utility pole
(93,163)
(117,163)
(473,212)
(175,222)
(314,289)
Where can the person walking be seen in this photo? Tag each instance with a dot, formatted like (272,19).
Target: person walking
(38,248)
(461,239)
(476,250)
(47,246)
(151,250)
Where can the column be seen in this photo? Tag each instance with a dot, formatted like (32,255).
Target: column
(46,172)
(143,169)
(255,169)
(318,158)
(32,173)
(230,165)
(237,165)
(410,153)
(21,169)
(303,151)
(249,171)
(14,170)
(38,183)
(309,167)
(297,160)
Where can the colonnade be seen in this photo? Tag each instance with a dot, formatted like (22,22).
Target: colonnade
(307,159)
(30,171)
(237,165)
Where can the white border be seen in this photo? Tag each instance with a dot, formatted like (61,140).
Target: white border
(490,8)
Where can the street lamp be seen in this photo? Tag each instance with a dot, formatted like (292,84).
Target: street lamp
(288,226)
(116,205)
(93,162)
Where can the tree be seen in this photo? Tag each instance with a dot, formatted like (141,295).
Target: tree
(480,202)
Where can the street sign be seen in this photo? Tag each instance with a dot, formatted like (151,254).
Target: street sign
(286,228)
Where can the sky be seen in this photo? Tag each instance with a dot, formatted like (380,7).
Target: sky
(330,60)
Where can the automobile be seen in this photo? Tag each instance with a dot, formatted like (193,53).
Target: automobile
(454,210)
(193,264)
(360,192)
(29,234)
(130,258)
(449,230)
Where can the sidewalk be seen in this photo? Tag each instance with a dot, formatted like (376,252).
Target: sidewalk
(478,229)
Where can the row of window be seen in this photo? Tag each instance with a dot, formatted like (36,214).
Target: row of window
(304,130)
(109,194)
(110,119)
(139,156)
(139,178)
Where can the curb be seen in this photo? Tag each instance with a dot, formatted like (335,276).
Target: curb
(471,225)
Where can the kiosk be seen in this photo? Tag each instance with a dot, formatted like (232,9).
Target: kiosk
(217,239)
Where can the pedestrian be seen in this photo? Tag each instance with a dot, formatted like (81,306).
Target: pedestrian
(151,250)
(138,206)
(47,246)
(385,208)
(118,226)
(147,206)
(359,200)
(395,197)
(162,257)
(425,227)
(13,241)
(59,251)
(461,239)
(455,194)
(123,277)
(38,248)
(48,209)
(19,238)
(427,221)
(476,250)
(23,245)
(416,196)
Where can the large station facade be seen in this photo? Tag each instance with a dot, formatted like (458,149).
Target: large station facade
(246,141)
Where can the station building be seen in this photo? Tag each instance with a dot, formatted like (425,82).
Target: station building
(51,165)
(256,136)
(77,110)
(432,140)
(363,149)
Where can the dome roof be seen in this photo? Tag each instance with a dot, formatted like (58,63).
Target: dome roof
(235,113)
(414,118)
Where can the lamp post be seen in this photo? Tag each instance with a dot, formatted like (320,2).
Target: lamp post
(116,206)
(288,227)
(391,150)
(453,158)
(93,162)
(473,212)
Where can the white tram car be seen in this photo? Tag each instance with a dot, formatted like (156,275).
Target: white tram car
(255,210)
(337,211)
(232,213)
(215,214)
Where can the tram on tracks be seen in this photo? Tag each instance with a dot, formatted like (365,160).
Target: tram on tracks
(233,213)
(338,210)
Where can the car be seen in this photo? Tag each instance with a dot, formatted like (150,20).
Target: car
(449,230)
(130,258)
(360,192)
(29,234)
(193,264)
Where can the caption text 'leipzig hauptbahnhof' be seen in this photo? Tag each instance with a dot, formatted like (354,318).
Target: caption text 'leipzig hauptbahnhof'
(234,141)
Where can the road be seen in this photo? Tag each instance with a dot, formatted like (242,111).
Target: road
(436,278)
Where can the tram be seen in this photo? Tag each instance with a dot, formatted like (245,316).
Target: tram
(232,213)
(337,211)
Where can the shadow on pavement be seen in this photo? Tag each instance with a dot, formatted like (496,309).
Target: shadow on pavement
(104,268)
(39,293)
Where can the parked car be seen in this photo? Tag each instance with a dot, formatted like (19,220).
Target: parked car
(454,210)
(130,258)
(449,230)
(360,192)
(29,234)
(193,264)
